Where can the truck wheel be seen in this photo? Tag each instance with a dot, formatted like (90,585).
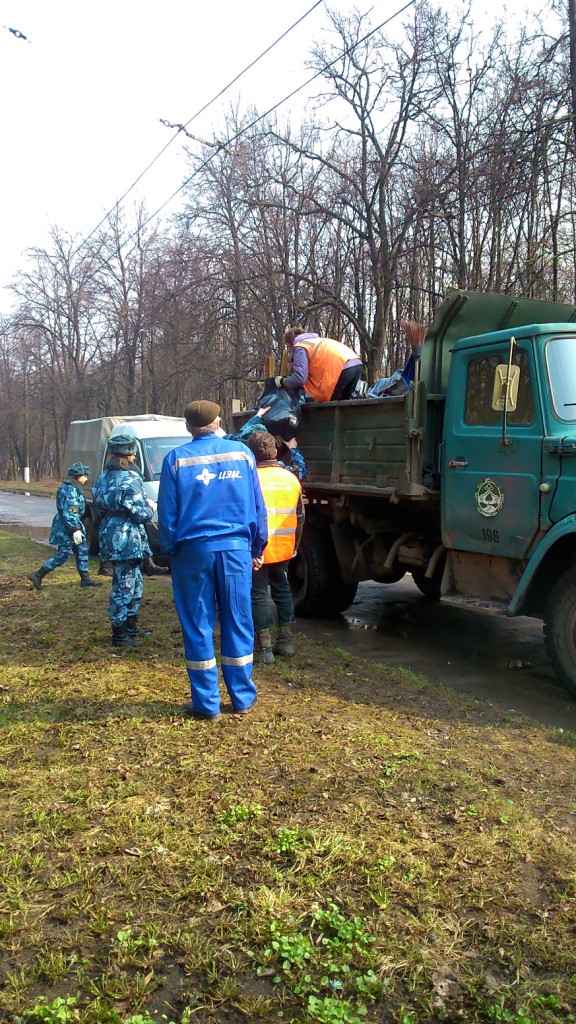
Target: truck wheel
(317,586)
(429,585)
(560,629)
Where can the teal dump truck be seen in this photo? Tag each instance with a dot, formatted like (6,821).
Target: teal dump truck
(468,482)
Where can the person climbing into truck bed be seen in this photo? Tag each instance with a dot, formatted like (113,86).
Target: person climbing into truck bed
(326,369)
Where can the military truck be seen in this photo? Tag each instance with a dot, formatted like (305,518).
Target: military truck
(468,482)
(154,435)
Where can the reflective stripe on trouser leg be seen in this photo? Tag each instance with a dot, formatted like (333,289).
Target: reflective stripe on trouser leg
(126,591)
(61,556)
(194,585)
(234,582)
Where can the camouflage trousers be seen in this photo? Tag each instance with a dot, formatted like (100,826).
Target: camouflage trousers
(126,592)
(80,552)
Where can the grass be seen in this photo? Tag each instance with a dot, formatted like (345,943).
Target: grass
(45,486)
(365,846)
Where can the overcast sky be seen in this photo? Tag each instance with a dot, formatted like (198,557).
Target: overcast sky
(82,98)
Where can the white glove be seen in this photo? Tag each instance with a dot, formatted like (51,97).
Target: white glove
(153,504)
(279,381)
(77,537)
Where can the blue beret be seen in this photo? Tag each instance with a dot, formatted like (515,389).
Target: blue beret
(79,469)
(122,444)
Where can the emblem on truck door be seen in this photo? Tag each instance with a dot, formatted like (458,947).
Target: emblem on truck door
(489,497)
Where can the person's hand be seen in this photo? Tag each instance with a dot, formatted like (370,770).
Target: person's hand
(262,412)
(279,381)
(292,443)
(257,563)
(77,537)
(152,504)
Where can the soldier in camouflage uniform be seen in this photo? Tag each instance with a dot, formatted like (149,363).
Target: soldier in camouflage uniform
(123,509)
(68,533)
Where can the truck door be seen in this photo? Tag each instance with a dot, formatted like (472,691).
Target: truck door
(490,484)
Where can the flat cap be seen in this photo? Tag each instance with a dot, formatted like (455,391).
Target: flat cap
(200,414)
(122,444)
(79,469)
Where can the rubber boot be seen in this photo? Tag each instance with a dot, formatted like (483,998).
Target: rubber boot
(284,646)
(150,569)
(263,653)
(106,568)
(120,637)
(37,577)
(132,627)
(86,581)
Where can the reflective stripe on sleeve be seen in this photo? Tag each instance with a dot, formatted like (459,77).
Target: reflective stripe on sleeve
(200,666)
(246,660)
(207,460)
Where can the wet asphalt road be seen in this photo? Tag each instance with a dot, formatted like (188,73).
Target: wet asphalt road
(499,660)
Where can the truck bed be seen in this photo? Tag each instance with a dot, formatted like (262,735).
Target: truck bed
(372,446)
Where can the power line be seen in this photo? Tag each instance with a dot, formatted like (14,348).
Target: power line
(193,118)
(223,145)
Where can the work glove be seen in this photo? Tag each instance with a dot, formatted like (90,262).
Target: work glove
(77,537)
(279,381)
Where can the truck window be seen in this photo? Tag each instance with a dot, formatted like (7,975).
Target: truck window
(156,448)
(478,409)
(561,362)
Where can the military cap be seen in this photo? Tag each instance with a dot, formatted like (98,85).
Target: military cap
(122,444)
(79,469)
(201,414)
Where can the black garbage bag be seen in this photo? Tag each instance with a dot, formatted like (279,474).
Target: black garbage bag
(284,418)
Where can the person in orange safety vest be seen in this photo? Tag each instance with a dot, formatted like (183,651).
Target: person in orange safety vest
(285,510)
(327,370)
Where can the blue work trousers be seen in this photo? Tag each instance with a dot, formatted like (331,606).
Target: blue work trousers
(200,580)
(80,552)
(126,591)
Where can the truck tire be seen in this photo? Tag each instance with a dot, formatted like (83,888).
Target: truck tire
(317,586)
(560,629)
(428,585)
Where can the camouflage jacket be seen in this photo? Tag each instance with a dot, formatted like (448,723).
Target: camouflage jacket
(120,501)
(71,506)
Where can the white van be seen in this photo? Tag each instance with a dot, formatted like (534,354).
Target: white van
(155,436)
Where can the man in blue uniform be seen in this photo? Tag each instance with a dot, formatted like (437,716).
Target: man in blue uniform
(123,508)
(68,533)
(212,523)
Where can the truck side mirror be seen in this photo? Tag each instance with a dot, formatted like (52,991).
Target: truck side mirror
(506,384)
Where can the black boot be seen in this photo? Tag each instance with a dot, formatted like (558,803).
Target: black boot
(106,569)
(85,581)
(150,569)
(120,637)
(37,577)
(132,627)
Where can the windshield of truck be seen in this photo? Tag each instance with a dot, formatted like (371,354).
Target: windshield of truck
(561,362)
(155,448)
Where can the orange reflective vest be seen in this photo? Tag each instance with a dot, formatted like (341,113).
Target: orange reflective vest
(326,360)
(281,491)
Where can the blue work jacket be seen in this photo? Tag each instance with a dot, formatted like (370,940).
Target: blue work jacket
(210,495)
